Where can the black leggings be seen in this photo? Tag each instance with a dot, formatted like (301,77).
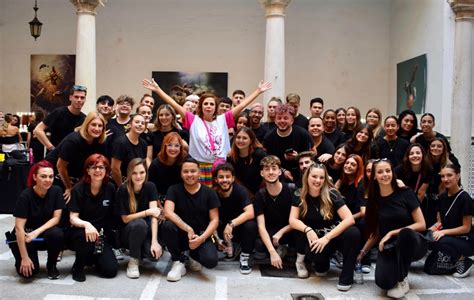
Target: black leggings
(245,233)
(348,243)
(454,246)
(53,243)
(136,236)
(105,264)
(393,263)
(177,241)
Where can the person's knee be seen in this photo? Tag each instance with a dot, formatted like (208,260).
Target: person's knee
(250,226)
(168,226)
(384,282)
(109,271)
(406,235)
(352,235)
(210,260)
(138,225)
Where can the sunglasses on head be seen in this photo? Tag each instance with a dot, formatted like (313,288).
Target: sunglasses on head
(79,88)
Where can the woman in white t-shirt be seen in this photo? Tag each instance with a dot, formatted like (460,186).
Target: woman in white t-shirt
(208,132)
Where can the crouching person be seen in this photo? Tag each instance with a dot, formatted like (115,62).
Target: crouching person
(90,215)
(236,216)
(192,214)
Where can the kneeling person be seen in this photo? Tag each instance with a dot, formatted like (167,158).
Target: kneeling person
(192,214)
(236,215)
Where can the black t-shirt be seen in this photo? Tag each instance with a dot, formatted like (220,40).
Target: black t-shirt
(395,210)
(143,198)
(147,137)
(75,150)
(336,137)
(325,146)
(301,121)
(193,209)
(158,136)
(61,122)
(313,217)
(335,174)
(269,126)
(233,206)
(260,132)
(37,210)
(164,176)
(275,209)
(98,209)
(115,130)
(299,140)
(352,197)
(125,151)
(392,150)
(462,207)
(249,174)
(411,178)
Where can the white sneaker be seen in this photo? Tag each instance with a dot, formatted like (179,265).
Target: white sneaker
(397,291)
(301,270)
(193,265)
(344,287)
(405,285)
(132,268)
(177,271)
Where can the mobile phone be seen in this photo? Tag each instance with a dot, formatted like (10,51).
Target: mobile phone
(289,150)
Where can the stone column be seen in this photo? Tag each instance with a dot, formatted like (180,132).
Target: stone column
(85,49)
(461,112)
(275,47)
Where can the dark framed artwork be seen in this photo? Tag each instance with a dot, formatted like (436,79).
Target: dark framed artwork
(181,84)
(411,84)
(52,76)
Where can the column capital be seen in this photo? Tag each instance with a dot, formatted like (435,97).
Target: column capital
(87,6)
(274,7)
(464,9)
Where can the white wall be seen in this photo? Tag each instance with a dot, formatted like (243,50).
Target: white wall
(419,27)
(339,50)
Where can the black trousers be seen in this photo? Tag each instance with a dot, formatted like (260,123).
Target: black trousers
(454,246)
(393,263)
(287,239)
(177,242)
(53,243)
(136,236)
(348,243)
(245,233)
(105,264)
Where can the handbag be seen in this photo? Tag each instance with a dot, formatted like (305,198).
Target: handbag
(217,160)
(439,263)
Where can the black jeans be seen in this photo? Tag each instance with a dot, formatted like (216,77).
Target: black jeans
(393,263)
(53,243)
(177,242)
(136,236)
(454,246)
(245,233)
(348,243)
(105,264)
(287,239)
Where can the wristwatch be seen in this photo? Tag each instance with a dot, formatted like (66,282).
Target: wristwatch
(232,225)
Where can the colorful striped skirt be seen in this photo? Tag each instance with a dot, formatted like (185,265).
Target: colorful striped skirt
(206,173)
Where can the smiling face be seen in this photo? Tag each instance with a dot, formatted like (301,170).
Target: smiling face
(341,117)
(415,156)
(373,119)
(350,166)
(368,170)
(97,172)
(242,140)
(165,117)
(363,135)
(138,175)
(383,173)
(449,178)
(148,101)
(271,173)
(124,108)
(427,124)
(330,121)
(78,98)
(351,116)
(304,163)
(241,122)
(284,121)
(223,107)
(340,156)
(407,123)
(190,173)
(316,178)
(315,127)
(271,108)
(256,114)
(173,148)
(44,178)
(436,148)
(95,128)
(390,127)
(104,108)
(137,124)
(225,180)
(145,111)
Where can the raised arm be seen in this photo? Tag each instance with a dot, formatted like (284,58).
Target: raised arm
(154,87)
(40,133)
(262,87)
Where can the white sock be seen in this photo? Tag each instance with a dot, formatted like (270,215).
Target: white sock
(300,258)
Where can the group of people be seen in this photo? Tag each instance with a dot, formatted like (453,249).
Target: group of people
(211,176)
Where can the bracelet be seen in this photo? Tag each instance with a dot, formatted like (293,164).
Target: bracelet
(309,230)
(304,230)
(145,213)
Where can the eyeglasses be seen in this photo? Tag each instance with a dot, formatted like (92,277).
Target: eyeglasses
(98,168)
(173,146)
(376,161)
(79,88)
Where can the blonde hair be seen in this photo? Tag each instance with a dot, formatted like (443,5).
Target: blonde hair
(327,189)
(89,118)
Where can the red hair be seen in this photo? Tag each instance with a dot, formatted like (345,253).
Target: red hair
(359,174)
(34,170)
(93,160)
(163,156)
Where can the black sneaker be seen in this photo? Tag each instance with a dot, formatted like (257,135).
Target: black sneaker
(463,268)
(78,274)
(53,272)
(244,264)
